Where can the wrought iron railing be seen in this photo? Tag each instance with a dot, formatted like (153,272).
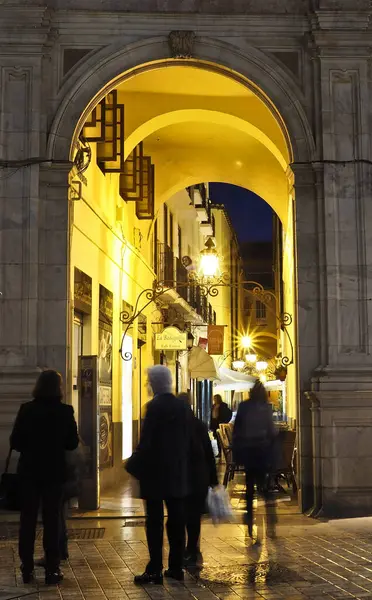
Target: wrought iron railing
(165,264)
(182,278)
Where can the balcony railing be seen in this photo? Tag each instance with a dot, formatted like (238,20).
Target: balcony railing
(165,264)
(182,278)
(170,270)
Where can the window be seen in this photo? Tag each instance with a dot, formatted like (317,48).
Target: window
(171,240)
(248,306)
(179,243)
(165,224)
(260,311)
(156,247)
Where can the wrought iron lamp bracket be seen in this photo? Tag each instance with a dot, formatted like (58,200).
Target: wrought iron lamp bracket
(208,287)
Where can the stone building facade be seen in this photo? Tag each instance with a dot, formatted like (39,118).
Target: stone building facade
(312,59)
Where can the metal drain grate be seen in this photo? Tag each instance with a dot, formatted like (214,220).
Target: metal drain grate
(270,573)
(134,523)
(9,533)
(92,533)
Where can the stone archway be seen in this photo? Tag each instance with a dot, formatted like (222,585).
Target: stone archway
(88,84)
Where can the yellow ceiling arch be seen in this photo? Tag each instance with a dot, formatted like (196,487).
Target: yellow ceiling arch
(210,117)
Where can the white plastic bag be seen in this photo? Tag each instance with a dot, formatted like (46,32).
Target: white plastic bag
(214,447)
(219,505)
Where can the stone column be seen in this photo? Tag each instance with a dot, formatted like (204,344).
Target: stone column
(310,312)
(19,236)
(342,384)
(55,305)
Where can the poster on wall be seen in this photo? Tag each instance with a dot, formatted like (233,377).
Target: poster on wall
(105,377)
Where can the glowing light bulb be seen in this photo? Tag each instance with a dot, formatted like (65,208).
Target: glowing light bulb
(238,364)
(246,341)
(251,358)
(261,365)
(209,265)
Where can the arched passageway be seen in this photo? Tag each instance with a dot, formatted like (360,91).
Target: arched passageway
(198,121)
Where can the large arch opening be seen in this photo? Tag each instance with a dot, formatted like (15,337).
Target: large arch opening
(195,123)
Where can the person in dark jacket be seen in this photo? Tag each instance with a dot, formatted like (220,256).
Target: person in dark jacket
(44,429)
(253,436)
(203,474)
(160,463)
(221,413)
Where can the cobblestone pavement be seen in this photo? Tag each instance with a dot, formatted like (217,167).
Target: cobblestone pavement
(309,559)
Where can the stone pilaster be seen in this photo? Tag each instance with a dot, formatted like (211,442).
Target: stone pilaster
(54,304)
(341,397)
(342,452)
(19,235)
(310,311)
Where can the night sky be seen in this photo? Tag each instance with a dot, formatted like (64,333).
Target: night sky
(250,215)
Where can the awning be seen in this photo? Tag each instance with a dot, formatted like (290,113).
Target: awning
(274,386)
(201,365)
(233,381)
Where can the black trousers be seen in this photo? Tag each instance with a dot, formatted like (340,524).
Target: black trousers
(49,498)
(258,477)
(175,532)
(63,536)
(195,506)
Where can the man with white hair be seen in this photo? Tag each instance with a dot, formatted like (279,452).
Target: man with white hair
(160,463)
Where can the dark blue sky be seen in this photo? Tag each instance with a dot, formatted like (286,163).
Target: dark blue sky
(250,215)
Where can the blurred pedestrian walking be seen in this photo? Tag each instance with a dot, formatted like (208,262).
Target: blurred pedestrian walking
(44,430)
(253,436)
(160,463)
(202,476)
(221,413)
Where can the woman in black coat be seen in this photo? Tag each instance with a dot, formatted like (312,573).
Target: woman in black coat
(44,429)
(202,475)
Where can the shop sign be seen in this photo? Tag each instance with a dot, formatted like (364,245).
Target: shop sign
(171,338)
(215,339)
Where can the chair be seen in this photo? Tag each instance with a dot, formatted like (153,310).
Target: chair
(231,467)
(285,453)
(227,431)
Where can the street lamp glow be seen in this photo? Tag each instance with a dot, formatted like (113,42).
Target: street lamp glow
(251,358)
(261,365)
(246,341)
(238,364)
(209,260)
(209,264)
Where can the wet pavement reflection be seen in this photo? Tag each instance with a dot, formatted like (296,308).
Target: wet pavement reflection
(307,560)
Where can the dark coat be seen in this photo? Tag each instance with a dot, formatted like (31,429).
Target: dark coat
(203,472)
(224,416)
(160,462)
(44,429)
(253,435)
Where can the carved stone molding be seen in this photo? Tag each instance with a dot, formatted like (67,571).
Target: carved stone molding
(347,20)
(181,44)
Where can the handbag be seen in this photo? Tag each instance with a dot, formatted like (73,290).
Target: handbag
(10,496)
(135,464)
